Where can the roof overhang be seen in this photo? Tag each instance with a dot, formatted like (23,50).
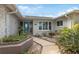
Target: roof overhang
(66,14)
(37,18)
(14,10)
(11,7)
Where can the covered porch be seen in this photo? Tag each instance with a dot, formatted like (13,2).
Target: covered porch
(27,26)
(31,25)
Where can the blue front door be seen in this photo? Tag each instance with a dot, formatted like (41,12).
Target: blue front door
(28,27)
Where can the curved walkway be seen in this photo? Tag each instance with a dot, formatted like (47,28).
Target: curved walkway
(48,47)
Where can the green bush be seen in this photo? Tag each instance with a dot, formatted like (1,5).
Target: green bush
(51,34)
(14,38)
(69,39)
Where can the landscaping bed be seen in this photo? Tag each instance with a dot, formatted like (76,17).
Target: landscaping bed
(68,40)
(14,39)
(49,36)
(15,44)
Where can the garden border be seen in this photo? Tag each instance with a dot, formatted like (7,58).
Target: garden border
(16,48)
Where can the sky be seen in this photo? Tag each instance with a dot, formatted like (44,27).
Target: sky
(46,10)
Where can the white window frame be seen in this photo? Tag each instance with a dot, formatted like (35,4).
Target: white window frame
(42,25)
(59,23)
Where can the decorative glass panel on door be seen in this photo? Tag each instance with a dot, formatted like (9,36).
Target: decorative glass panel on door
(26,26)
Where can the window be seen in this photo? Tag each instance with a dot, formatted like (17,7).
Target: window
(59,23)
(49,25)
(40,25)
(44,25)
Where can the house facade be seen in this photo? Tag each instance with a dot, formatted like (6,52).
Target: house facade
(9,20)
(40,25)
(37,25)
(67,20)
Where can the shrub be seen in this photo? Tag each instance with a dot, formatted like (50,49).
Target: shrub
(51,34)
(76,27)
(69,39)
(14,38)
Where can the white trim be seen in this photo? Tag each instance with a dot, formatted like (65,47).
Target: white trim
(42,26)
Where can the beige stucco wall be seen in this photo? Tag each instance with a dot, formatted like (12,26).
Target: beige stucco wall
(66,23)
(8,23)
(12,24)
(36,26)
(75,18)
(2,21)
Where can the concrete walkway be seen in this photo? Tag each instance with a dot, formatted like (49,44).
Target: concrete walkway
(48,47)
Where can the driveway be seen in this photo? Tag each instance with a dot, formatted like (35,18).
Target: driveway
(47,47)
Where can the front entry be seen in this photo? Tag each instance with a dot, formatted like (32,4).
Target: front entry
(28,27)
